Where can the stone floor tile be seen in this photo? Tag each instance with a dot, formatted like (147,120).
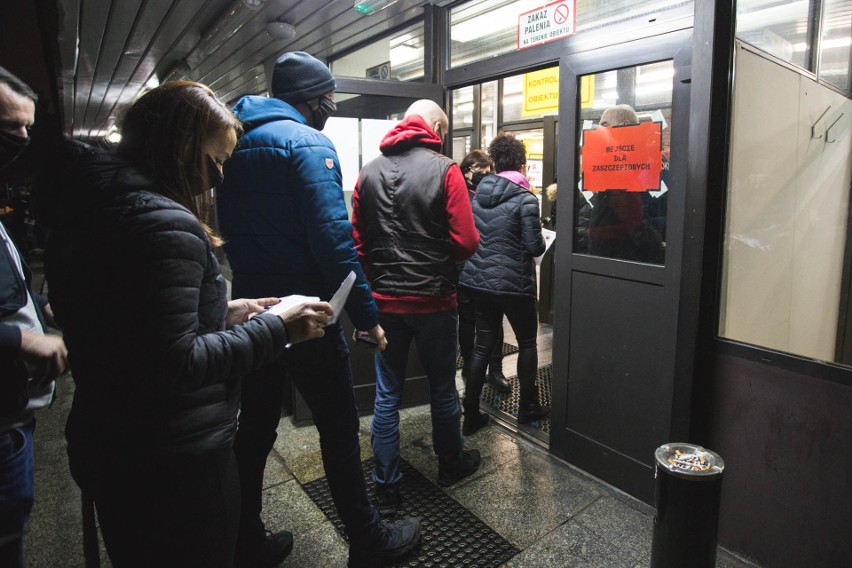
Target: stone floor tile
(527,498)
(571,545)
(287,507)
(616,523)
(319,546)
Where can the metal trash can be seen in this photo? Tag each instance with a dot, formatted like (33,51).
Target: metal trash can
(687,495)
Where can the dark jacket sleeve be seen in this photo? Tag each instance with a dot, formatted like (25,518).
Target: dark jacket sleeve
(531,226)
(168,259)
(323,208)
(10,339)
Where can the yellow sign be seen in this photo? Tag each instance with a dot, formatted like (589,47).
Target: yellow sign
(541,92)
(587,91)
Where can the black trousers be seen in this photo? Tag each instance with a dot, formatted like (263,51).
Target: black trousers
(321,370)
(520,311)
(467,331)
(164,510)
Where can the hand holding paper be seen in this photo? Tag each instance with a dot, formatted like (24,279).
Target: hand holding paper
(304,317)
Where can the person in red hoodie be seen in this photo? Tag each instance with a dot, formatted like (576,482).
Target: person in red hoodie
(412,223)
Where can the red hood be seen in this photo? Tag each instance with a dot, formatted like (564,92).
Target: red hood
(412,131)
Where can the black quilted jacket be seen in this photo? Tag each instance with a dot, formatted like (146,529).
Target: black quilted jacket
(137,290)
(507,218)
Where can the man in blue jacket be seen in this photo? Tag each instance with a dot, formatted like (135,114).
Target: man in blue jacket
(282,214)
(29,358)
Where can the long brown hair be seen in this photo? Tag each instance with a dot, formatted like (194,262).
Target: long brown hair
(164,135)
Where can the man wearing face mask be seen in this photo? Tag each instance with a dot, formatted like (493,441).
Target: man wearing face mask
(29,358)
(413,223)
(282,214)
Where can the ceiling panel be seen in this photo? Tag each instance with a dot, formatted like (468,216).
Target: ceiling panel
(111,49)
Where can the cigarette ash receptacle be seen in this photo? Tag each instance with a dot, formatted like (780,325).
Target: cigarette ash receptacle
(687,494)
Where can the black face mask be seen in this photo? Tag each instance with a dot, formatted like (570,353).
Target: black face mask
(214,176)
(477,177)
(320,115)
(11,147)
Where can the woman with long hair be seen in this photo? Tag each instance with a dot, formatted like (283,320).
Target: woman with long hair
(500,276)
(156,348)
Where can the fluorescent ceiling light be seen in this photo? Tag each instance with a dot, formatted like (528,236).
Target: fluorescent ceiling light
(368,7)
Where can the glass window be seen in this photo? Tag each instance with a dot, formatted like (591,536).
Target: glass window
(787,248)
(836,41)
(479,30)
(461,147)
(513,98)
(397,57)
(534,144)
(779,27)
(463,108)
(624,151)
(488,97)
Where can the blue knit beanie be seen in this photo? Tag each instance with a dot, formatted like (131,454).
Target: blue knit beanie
(300,77)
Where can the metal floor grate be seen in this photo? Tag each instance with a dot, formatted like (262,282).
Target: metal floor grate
(507,404)
(452,535)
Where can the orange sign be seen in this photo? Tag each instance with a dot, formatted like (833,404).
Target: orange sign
(623,157)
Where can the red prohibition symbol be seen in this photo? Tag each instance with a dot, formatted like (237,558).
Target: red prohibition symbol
(561,14)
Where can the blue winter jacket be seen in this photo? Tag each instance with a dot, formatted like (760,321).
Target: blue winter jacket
(282,212)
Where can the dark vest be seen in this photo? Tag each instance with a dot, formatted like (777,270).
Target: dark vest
(401,199)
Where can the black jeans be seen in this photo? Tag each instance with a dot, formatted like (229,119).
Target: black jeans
(164,510)
(467,332)
(520,310)
(321,371)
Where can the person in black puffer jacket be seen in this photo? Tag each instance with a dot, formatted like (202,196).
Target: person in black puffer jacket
(157,349)
(500,275)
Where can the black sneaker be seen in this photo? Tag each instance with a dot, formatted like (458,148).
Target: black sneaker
(473,423)
(531,412)
(386,543)
(387,499)
(268,553)
(452,471)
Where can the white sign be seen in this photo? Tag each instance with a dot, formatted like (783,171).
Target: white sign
(551,22)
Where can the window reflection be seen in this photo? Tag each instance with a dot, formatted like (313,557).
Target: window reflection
(398,57)
(836,45)
(488,28)
(623,180)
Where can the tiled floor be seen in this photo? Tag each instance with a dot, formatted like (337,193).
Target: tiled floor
(556,515)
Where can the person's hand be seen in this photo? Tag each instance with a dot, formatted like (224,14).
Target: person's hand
(306,321)
(378,334)
(45,355)
(242,310)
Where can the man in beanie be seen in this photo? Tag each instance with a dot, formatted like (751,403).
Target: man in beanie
(286,229)
(409,251)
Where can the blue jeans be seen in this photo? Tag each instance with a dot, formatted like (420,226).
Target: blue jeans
(436,338)
(16,492)
(321,371)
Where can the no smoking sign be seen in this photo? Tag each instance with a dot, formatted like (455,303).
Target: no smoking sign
(548,23)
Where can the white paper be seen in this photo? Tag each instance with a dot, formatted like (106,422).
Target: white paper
(549,238)
(339,299)
(288,302)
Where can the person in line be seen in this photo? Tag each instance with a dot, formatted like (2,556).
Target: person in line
(282,213)
(500,276)
(412,224)
(618,225)
(157,350)
(474,167)
(30,358)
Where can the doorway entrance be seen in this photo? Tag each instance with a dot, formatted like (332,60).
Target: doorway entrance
(524,105)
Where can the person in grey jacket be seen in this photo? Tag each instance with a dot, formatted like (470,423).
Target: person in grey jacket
(500,276)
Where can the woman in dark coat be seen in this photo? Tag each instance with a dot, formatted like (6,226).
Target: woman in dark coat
(500,276)
(155,347)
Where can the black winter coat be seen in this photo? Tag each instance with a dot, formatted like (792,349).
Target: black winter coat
(139,295)
(507,218)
